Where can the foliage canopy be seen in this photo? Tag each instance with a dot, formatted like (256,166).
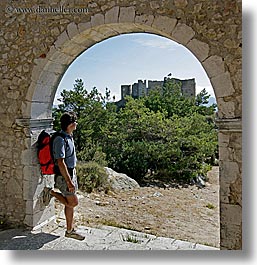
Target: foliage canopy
(165,133)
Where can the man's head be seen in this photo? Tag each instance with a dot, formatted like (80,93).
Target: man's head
(68,121)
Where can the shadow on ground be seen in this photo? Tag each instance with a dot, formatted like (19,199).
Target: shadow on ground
(21,239)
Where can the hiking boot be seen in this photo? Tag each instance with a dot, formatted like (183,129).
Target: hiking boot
(47,195)
(73,234)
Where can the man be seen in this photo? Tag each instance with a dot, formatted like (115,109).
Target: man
(66,181)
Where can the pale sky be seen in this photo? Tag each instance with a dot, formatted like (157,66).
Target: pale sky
(127,58)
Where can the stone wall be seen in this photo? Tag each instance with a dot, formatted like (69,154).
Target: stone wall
(230,155)
(37,48)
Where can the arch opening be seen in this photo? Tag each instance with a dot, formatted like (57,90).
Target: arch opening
(58,78)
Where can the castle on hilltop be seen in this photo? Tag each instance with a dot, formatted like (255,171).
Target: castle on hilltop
(141,89)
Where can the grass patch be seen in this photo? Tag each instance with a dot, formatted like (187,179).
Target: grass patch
(130,238)
(210,206)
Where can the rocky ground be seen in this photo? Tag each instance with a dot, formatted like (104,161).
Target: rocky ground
(185,213)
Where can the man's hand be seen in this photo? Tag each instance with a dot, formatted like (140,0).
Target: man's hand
(64,171)
(71,186)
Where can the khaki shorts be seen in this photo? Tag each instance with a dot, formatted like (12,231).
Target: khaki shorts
(60,183)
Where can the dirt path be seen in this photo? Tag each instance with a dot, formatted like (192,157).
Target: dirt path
(189,214)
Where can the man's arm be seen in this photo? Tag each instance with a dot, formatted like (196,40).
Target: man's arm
(64,171)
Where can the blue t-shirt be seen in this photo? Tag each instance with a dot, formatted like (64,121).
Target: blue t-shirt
(65,148)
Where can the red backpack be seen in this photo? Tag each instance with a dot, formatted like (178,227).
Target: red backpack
(45,151)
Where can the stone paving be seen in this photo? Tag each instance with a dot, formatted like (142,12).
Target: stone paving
(104,238)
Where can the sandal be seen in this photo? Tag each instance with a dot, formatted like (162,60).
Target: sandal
(47,195)
(73,234)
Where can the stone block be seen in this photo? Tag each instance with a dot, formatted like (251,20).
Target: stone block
(112,15)
(107,31)
(95,36)
(13,107)
(223,139)
(235,196)
(14,95)
(230,237)
(41,110)
(214,66)
(235,141)
(61,40)
(72,49)
(237,156)
(231,226)
(84,26)
(27,190)
(164,24)
(62,58)
(44,216)
(127,14)
(223,85)
(54,67)
(43,95)
(28,220)
(29,207)
(226,109)
(144,19)
(180,3)
(28,172)
(231,214)
(182,33)
(31,90)
(97,20)
(82,39)
(224,154)
(36,71)
(224,190)
(26,108)
(199,49)
(26,157)
(13,187)
(46,79)
(7,120)
(229,171)
(72,30)
(33,189)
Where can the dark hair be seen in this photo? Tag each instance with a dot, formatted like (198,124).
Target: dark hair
(66,119)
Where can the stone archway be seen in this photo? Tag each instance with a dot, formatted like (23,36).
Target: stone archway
(49,63)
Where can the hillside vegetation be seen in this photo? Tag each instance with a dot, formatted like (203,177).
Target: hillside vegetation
(163,136)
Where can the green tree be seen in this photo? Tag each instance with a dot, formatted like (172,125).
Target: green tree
(202,101)
(170,100)
(90,108)
(165,132)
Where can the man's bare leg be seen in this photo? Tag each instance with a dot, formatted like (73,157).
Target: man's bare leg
(69,214)
(72,201)
(59,197)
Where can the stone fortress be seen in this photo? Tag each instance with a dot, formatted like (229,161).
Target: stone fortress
(141,89)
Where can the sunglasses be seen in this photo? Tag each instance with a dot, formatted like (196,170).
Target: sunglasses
(73,121)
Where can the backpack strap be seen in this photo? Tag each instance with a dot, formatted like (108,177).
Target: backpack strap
(64,136)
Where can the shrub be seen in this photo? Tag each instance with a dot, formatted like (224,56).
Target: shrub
(92,176)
